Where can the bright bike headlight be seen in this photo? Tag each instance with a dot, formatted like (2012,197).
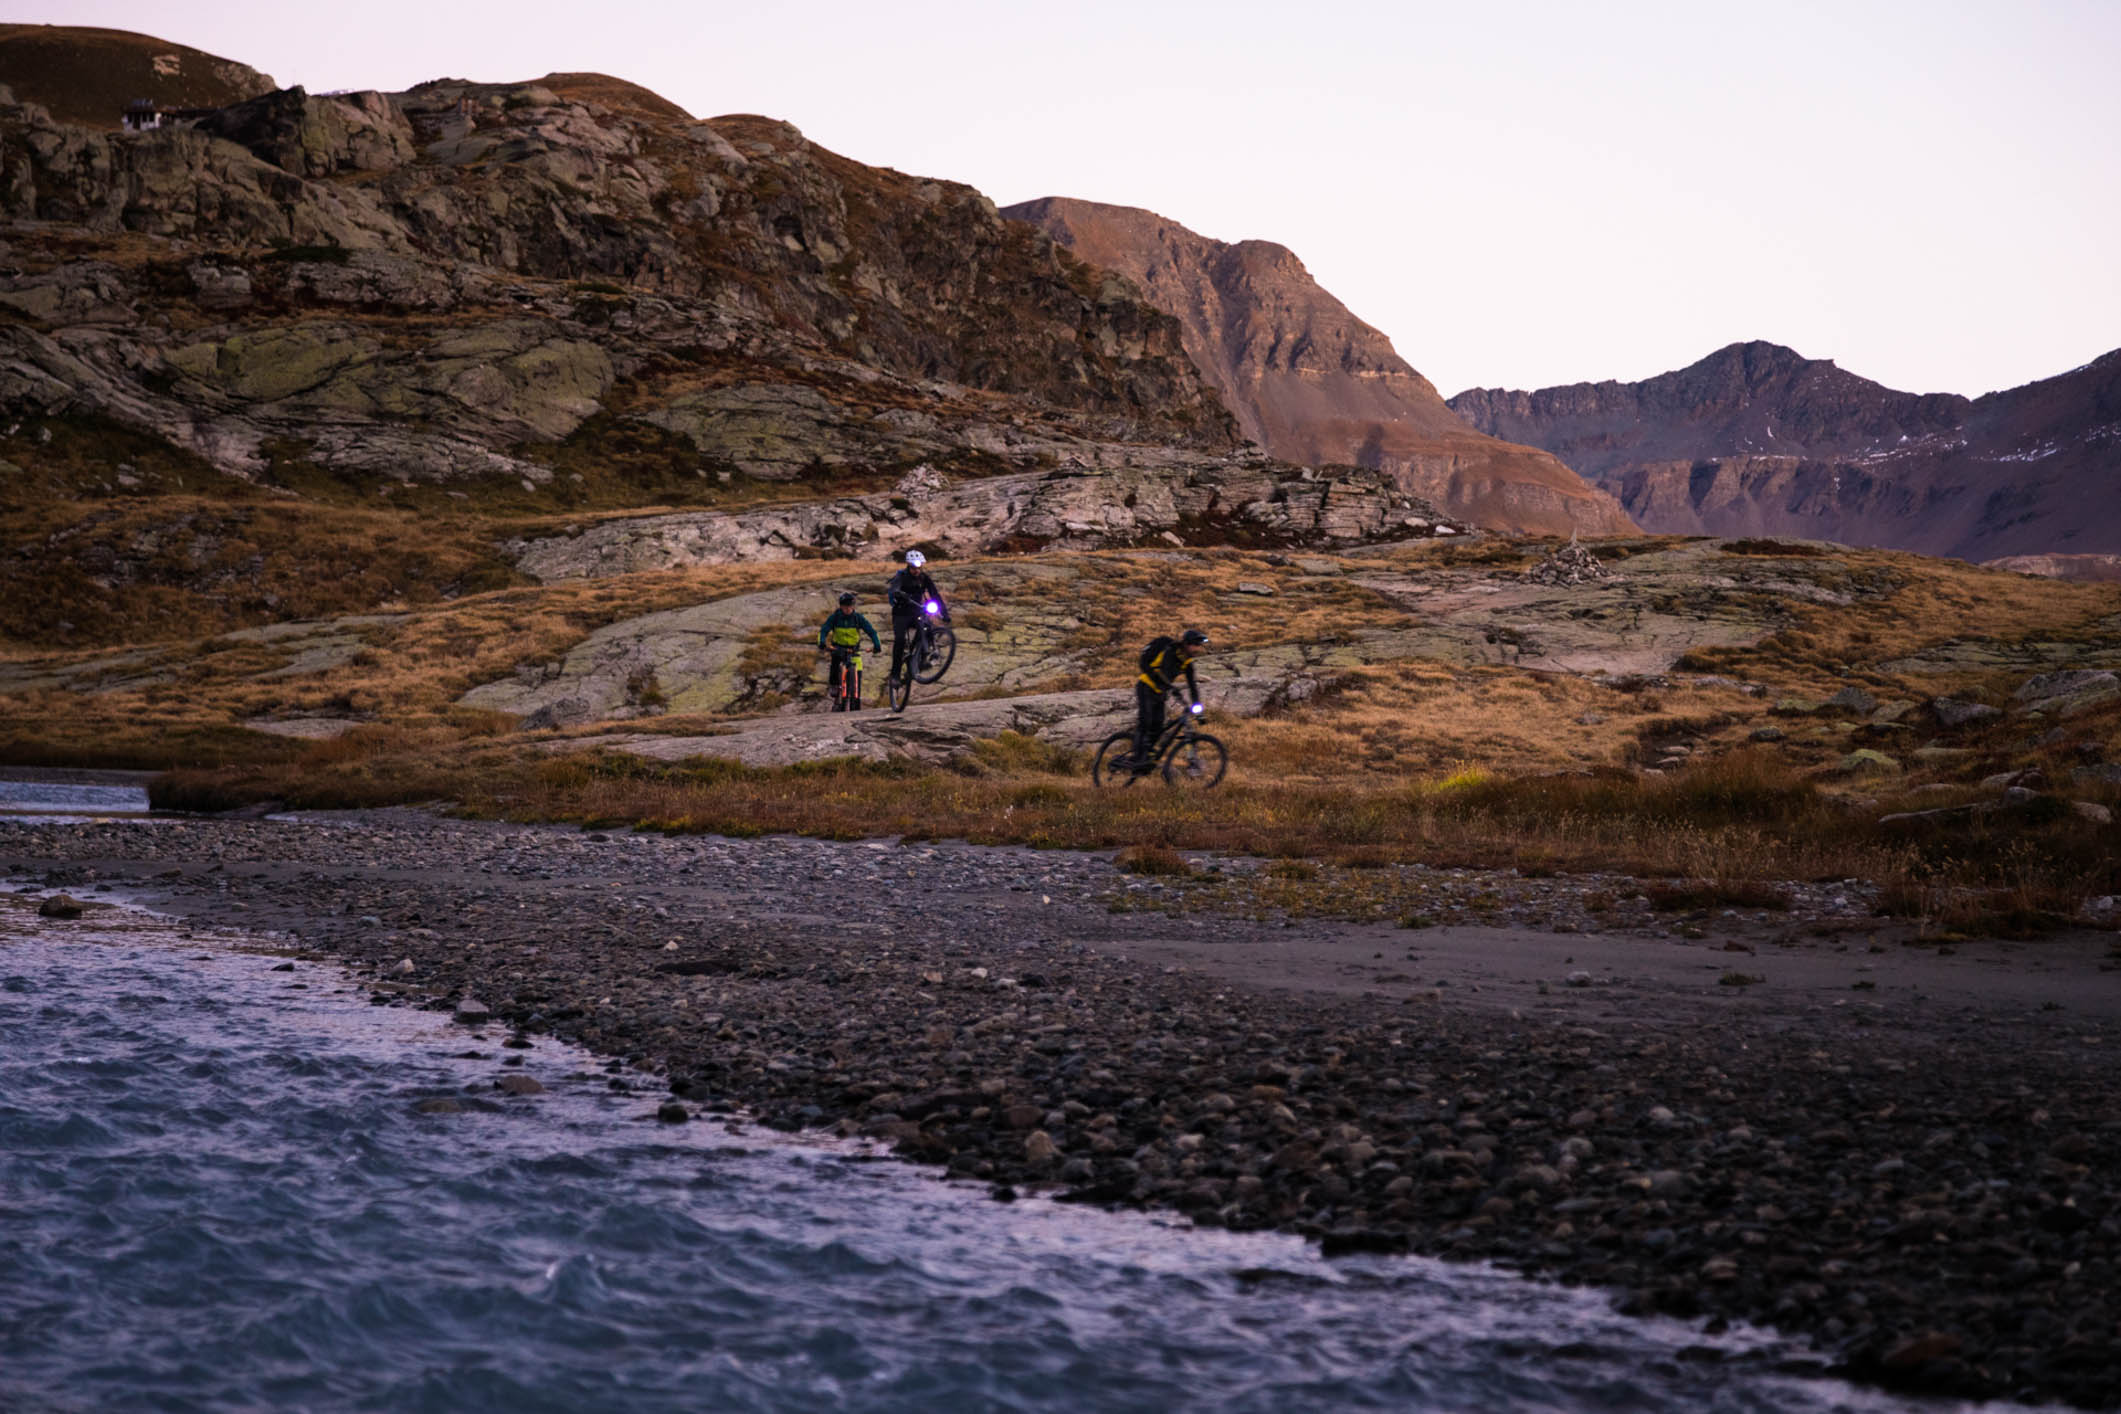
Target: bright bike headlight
(932,607)
(1196,709)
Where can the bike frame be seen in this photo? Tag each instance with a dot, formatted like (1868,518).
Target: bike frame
(844,670)
(1174,736)
(920,645)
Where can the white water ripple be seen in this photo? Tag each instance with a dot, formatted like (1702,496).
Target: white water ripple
(216,1194)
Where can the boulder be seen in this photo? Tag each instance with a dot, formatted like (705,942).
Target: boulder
(317,137)
(2043,687)
(2069,692)
(2025,777)
(1853,699)
(1953,714)
(60,906)
(1867,763)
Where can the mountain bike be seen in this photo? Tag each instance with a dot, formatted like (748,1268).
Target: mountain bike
(931,647)
(1186,757)
(843,681)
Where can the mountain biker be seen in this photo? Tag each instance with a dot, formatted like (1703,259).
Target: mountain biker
(911,592)
(1161,664)
(844,630)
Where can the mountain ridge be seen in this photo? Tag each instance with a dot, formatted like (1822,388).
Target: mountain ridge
(1309,381)
(1756,439)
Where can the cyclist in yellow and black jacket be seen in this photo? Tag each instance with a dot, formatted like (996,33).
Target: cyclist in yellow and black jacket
(845,629)
(1162,663)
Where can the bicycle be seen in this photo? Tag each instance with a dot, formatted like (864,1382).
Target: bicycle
(931,647)
(1186,757)
(843,681)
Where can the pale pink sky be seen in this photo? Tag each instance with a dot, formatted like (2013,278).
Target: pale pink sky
(1518,193)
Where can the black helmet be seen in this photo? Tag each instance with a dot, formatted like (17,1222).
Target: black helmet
(846,598)
(1193,638)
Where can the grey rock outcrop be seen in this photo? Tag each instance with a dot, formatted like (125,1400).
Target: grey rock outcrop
(317,137)
(1077,506)
(590,250)
(755,652)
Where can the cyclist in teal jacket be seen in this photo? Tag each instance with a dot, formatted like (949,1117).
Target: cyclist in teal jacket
(842,633)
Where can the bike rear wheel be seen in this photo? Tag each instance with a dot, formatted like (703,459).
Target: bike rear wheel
(1114,764)
(942,649)
(1197,763)
(899,691)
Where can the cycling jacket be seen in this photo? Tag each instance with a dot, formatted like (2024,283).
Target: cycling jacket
(908,590)
(1162,662)
(845,629)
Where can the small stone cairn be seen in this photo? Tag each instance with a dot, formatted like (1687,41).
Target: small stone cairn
(1571,565)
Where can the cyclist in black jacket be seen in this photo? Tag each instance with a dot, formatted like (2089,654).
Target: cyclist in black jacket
(1162,663)
(911,591)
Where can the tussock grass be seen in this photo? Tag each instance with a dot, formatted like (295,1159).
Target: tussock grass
(1154,859)
(1720,829)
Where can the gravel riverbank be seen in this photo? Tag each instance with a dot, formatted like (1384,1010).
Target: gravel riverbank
(1910,1157)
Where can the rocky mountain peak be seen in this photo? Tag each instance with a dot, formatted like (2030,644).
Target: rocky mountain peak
(1308,380)
(1745,398)
(1757,439)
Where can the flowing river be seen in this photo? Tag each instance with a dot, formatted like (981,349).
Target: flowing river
(218,1191)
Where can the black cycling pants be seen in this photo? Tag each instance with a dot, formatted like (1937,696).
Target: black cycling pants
(1148,718)
(901,639)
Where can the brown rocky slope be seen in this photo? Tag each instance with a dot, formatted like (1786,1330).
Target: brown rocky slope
(88,76)
(435,285)
(1757,440)
(305,354)
(1312,383)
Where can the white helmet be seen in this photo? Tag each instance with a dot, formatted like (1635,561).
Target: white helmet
(915,559)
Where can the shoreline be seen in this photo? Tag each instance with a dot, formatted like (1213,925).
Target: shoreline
(1923,1187)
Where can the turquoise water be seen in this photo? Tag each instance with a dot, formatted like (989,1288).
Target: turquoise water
(216,1193)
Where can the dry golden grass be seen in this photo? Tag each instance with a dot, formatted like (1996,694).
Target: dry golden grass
(1425,718)
(1925,602)
(1734,825)
(1418,761)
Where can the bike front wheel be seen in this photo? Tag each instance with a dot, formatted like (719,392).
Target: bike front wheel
(942,648)
(1197,763)
(1114,764)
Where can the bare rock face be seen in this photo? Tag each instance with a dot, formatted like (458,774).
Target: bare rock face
(317,137)
(1310,382)
(1171,499)
(1757,440)
(445,284)
(2104,569)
